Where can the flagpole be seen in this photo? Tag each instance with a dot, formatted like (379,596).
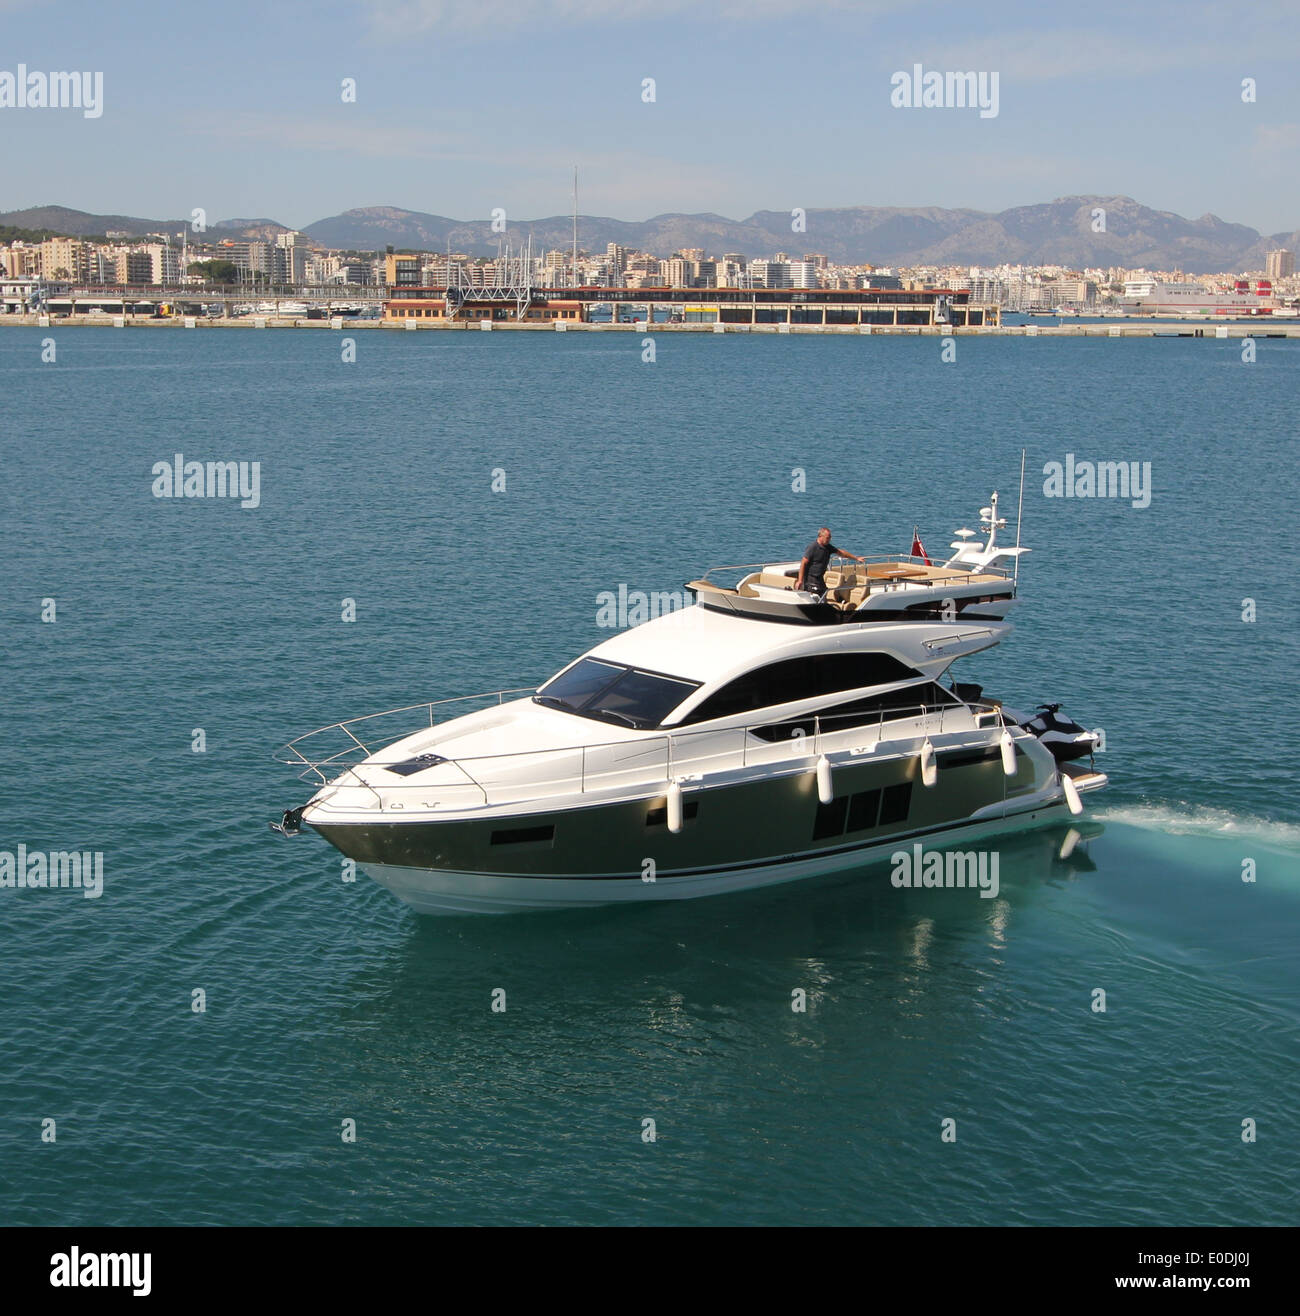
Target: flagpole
(1020,506)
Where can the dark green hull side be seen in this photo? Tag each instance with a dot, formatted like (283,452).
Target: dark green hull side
(725,827)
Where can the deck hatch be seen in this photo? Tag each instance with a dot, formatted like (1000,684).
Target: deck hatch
(409,767)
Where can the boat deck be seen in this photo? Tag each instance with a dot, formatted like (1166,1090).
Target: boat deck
(1085,777)
(848,586)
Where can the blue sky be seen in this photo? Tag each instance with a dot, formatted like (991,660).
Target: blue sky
(766,104)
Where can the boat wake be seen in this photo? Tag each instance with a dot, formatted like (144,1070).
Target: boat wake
(1179,819)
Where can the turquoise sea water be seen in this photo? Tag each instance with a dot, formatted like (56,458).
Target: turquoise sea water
(328,1001)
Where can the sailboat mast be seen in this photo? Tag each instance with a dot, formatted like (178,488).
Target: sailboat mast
(1020,507)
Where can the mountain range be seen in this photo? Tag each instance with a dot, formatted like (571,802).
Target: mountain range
(1060,232)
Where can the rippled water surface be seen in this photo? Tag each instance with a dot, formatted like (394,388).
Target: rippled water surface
(329,1001)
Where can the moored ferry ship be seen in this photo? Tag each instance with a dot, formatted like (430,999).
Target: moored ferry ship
(763,734)
(1149,296)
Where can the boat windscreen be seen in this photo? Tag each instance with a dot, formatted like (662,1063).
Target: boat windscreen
(644,698)
(572,688)
(614,693)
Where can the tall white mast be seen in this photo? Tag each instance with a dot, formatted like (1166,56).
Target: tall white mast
(575,226)
(1020,506)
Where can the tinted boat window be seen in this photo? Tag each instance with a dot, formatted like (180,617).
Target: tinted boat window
(801,678)
(581,681)
(613,693)
(642,696)
(896,803)
(907,702)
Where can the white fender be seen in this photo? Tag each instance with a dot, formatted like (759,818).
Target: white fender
(1008,753)
(1072,838)
(674,807)
(1071,794)
(929,768)
(825,786)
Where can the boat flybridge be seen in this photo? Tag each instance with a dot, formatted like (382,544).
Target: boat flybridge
(972,584)
(758,736)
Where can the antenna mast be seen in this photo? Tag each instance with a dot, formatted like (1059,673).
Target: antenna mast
(1019,511)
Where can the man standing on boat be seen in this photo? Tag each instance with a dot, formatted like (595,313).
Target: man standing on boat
(816,558)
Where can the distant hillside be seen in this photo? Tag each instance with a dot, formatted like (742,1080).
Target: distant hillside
(79,224)
(1054,233)
(64,222)
(253,229)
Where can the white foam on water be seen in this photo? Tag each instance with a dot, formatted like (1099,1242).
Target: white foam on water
(1203,820)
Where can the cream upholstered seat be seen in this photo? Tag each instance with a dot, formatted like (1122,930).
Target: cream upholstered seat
(843,582)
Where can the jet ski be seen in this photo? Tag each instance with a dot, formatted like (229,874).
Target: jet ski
(1065,738)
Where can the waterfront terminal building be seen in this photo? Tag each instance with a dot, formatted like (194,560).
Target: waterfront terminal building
(822,307)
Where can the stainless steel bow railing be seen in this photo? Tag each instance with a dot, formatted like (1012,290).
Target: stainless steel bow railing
(651,757)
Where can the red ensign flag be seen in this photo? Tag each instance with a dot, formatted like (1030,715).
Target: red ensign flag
(918,549)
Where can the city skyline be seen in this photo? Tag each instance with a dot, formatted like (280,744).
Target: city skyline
(421,285)
(493,104)
(1075,232)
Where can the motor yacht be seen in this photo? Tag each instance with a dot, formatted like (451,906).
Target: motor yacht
(759,735)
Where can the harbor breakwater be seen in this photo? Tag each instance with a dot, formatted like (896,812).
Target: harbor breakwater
(1137,329)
